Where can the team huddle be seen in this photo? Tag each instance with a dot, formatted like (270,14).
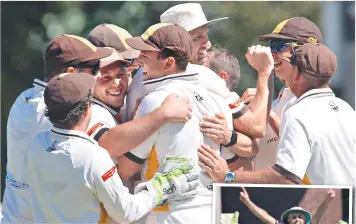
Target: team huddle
(129,129)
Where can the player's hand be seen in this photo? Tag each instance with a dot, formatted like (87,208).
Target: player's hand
(176,109)
(248,95)
(177,183)
(260,58)
(331,194)
(244,197)
(216,129)
(212,163)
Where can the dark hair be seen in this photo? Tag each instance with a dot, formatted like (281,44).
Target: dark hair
(52,72)
(220,59)
(180,57)
(73,117)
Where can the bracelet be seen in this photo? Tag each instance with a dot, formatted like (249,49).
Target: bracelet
(233,140)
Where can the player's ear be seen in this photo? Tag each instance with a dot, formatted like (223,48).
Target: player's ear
(223,75)
(70,70)
(170,63)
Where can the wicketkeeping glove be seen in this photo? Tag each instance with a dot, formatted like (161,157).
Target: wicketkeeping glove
(180,181)
(229,218)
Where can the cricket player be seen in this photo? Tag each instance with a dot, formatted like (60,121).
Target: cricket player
(73,179)
(317,140)
(110,35)
(26,119)
(297,30)
(165,52)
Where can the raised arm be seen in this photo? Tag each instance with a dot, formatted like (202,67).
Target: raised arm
(323,206)
(261,214)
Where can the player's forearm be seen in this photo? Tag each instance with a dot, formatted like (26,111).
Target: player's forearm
(274,121)
(245,146)
(125,137)
(261,214)
(256,118)
(321,211)
(265,176)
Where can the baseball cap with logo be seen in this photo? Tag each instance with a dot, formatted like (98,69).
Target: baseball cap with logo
(297,29)
(65,91)
(163,36)
(187,15)
(315,59)
(70,50)
(290,211)
(109,35)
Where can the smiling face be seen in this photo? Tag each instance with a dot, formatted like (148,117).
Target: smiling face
(153,66)
(284,70)
(296,218)
(201,44)
(111,86)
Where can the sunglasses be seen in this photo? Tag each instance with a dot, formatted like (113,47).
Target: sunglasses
(130,60)
(280,45)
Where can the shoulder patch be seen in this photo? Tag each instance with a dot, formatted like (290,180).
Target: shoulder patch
(93,129)
(108,174)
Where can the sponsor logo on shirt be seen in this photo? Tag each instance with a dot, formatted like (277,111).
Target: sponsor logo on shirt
(15,184)
(93,129)
(52,148)
(198,97)
(108,174)
(275,139)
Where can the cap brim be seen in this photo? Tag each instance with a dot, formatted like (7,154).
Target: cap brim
(138,44)
(306,214)
(275,36)
(114,57)
(206,23)
(99,54)
(130,53)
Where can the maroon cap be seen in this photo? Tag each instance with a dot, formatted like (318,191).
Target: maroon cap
(163,36)
(70,50)
(65,91)
(298,29)
(316,60)
(109,35)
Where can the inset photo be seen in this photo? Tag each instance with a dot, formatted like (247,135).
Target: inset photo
(282,204)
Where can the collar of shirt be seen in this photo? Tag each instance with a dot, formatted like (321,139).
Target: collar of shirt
(322,92)
(72,134)
(111,110)
(152,84)
(40,85)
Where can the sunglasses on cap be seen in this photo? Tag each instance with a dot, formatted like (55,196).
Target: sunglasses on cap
(280,45)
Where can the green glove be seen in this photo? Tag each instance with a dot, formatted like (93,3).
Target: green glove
(229,218)
(178,182)
(342,222)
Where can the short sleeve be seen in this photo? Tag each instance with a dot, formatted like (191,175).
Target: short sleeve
(118,202)
(294,151)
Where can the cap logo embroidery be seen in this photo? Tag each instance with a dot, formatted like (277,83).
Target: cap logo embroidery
(84,41)
(312,40)
(280,26)
(149,32)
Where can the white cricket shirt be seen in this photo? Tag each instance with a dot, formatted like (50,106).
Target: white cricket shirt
(70,175)
(26,119)
(177,142)
(317,141)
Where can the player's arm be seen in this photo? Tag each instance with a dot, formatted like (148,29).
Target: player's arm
(122,138)
(261,214)
(253,122)
(119,204)
(323,207)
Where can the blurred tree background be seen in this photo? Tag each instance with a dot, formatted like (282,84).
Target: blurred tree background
(27,27)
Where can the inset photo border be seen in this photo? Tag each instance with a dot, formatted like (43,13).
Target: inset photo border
(260,203)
